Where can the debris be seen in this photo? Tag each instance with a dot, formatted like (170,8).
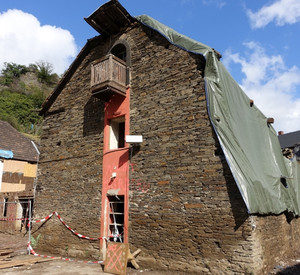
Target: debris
(5,254)
(5,251)
(20,262)
(132,256)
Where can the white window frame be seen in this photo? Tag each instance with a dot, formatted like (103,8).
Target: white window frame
(114,132)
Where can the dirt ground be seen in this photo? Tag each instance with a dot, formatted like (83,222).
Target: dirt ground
(60,267)
(18,244)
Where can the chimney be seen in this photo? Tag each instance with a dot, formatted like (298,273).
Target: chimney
(280,133)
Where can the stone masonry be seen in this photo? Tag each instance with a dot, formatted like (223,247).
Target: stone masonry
(185,210)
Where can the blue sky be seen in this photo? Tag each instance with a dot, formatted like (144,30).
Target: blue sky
(259,40)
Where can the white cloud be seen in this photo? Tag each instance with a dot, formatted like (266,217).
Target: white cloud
(281,12)
(271,85)
(23,41)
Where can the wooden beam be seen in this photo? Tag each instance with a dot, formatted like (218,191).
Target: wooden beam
(132,256)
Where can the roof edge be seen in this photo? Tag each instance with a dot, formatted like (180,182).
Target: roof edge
(84,51)
(110,18)
(68,74)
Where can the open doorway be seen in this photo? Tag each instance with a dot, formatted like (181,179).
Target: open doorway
(116,218)
(25,213)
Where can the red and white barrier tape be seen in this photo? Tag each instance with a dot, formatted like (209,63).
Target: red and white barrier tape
(43,220)
(73,231)
(61,258)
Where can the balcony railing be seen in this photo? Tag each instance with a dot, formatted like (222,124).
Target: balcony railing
(108,76)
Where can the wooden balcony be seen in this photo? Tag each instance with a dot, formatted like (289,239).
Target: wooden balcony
(108,76)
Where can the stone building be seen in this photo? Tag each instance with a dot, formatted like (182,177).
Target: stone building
(290,144)
(18,167)
(132,150)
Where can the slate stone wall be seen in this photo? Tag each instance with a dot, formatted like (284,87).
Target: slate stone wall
(70,168)
(276,238)
(185,210)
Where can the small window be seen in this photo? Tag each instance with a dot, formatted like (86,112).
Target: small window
(5,206)
(117,133)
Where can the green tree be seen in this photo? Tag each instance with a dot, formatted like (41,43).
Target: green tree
(11,71)
(33,68)
(44,72)
(21,100)
(37,97)
(19,110)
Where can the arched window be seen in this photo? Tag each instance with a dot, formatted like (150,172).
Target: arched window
(121,49)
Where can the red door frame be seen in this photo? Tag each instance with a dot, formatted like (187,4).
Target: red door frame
(115,161)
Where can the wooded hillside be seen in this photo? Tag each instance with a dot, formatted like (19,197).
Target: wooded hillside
(22,92)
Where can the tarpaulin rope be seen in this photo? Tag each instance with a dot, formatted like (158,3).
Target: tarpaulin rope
(61,258)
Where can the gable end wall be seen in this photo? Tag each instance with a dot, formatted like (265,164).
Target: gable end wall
(185,211)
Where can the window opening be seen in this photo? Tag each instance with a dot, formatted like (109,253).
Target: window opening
(116,218)
(5,207)
(27,206)
(122,51)
(117,133)
(119,51)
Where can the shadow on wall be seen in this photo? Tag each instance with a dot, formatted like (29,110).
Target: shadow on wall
(93,121)
(238,207)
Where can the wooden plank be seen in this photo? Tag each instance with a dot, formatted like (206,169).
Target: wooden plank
(116,258)
(5,251)
(22,262)
(5,259)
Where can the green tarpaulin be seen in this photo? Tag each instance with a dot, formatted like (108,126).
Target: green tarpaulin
(268,182)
